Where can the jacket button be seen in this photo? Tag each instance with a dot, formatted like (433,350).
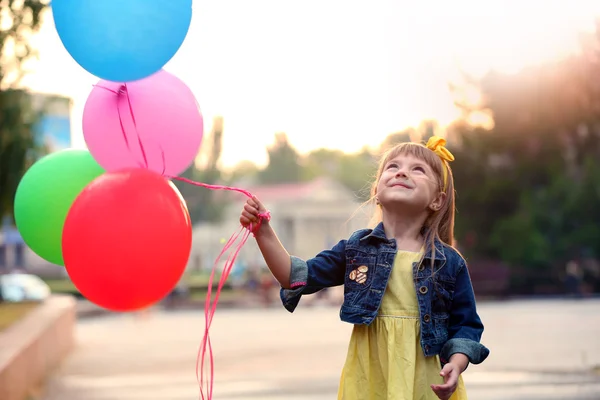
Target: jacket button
(423,289)
(426,318)
(426,347)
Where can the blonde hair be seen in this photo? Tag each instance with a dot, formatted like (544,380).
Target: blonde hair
(440,224)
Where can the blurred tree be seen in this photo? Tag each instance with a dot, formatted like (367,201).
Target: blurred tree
(356,171)
(321,162)
(245,171)
(205,205)
(393,139)
(284,163)
(19,146)
(529,185)
(427,129)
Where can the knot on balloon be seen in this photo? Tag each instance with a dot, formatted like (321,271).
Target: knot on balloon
(266,215)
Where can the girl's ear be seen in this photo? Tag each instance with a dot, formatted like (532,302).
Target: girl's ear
(437,202)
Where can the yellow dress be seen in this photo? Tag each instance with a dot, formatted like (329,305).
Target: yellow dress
(385,359)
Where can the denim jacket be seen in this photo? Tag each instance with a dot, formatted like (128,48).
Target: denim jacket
(449,320)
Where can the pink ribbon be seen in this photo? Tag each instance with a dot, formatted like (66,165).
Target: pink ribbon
(123,92)
(210,305)
(209,311)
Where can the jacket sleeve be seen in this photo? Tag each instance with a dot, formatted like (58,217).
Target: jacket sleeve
(465,326)
(326,269)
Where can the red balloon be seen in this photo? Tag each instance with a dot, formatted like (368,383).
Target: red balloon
(127,239)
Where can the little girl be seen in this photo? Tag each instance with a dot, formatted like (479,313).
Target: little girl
(406,289)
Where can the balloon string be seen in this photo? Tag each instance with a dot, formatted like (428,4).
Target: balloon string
(117,93)
(124,92)
(262,216)
(213,187)
(210,305)
(210,311)
(123,128)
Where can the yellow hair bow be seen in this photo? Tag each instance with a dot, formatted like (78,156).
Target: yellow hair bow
(437,145)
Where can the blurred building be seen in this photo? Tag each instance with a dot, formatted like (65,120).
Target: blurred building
(308,218)
(54,131)
(54,128)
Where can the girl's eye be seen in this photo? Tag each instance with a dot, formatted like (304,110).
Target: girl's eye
(392,165)
(419,168)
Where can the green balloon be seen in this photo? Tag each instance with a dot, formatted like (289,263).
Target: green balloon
(45,195)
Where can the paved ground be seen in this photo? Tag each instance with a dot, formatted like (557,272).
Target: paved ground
(540,350)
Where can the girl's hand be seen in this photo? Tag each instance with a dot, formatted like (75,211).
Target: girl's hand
(450,373)
(251,211)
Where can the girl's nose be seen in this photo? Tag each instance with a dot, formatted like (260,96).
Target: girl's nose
(401,173)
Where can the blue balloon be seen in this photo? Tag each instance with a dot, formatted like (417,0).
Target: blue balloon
(122,40)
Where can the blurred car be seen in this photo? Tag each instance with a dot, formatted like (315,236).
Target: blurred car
(18,287)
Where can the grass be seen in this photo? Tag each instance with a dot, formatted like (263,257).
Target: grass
(12,312)
(197,284)
(225,295)
(201,280)
(61,285)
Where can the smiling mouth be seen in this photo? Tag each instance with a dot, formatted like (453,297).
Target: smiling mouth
(401,185)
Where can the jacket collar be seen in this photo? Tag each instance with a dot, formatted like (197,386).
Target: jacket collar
(378,234)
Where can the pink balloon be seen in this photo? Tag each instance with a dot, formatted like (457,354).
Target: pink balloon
(152,123)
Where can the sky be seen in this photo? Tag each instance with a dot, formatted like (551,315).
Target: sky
(339,74)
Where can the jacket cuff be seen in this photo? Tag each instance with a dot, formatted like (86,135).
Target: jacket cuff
(298,272)
(298,279)
(475,351)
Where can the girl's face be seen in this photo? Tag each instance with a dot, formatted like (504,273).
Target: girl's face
(408,181)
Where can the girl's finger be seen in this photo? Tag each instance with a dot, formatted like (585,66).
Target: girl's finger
(259,205)
(252,217)
(250,209)
(246,219)
(253,202)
